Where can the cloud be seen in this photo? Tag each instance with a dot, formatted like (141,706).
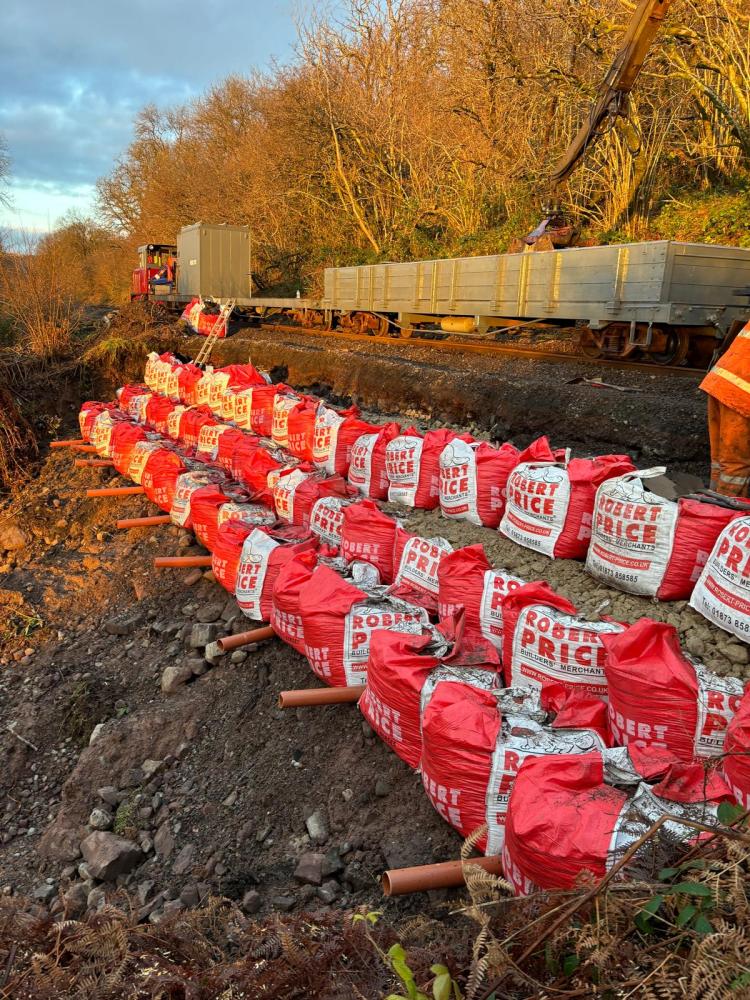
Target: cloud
(72,76)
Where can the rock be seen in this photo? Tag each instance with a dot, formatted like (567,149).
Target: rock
(283,903)
(230,799)
(252,901)
(96,898)
(144,890)
(213,654)
(310,868)
(201,635)
(209,612)
(358,876)
(736,653)
(110,795)
(150,768)
(695,646)
(328,891)
(12,537)
(75,899)
(184,860)
(238,656)
(332,863)
(108,855)
(317,827)
(230,610)
(198,665)
(164,841)
(96,732)
(192,577)
(190,895)
(175,677)
(347,794)
(382,788)
(44,893)
(100,819)
(131,778)
(119,626)
(173,906)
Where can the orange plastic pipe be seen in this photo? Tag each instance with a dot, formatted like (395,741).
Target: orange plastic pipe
(66,444)
(115,491)
(94,463)
(445,875)
(245,638)
(143,522)
(84,447)
(176,562)
(320,696)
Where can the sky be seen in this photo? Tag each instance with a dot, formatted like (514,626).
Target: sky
(74,73)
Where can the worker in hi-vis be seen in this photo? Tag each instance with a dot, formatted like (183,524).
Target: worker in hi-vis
(728,388)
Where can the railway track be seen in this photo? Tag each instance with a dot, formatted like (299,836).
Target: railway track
(492,349)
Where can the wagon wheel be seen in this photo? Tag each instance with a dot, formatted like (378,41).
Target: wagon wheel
(676,351)
(589,344)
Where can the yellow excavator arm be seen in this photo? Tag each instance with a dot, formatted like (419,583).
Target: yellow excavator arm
(617,83)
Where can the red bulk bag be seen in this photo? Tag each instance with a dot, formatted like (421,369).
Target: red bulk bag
(159,479)
(335,434)
(297,490)
(721,593)
(659,698)
(412,464)
(158,409)
(283,404)
(228,442)
(473,743)
(242,408)
(101,430)
(369,535)
(205,504)
(123,440)
(398,669)
(208,439)
(367,466)
(327,518)
(550,501)
(262,406)
(644,544)
(285,489)
(736,762)
(339,619)
(225,557)
(203,323)
(286,601)
(415,568)
(545,642)
(473,478)
(163,373)
(252,465)
(140,454)
(191,421)
(88,413)
(467,580)
(188,483)
(154,363)
(301,429)
(261,561)
(187,376)
(128,393)
(174,418)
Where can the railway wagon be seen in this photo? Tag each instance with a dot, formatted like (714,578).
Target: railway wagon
(659,298)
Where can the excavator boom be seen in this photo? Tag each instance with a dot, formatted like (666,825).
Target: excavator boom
(617,83)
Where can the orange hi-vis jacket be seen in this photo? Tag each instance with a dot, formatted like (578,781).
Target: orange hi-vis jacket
(729,379)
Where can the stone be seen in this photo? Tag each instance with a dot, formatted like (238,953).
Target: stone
(173,906)
(190,895)
(108,855)
(358,876)
(75,900)
(695,646)
(283,903)
(201,635)
(150,768)
(736,653)
(164,841)
(12,537)
(100,819)
(328,891)
(198,665)
(230,610)
(382,788)
(332,863)
(96,898)
(184,860)
(317,827)
(144,890)
(310,868)
(209,612)
(118,626)
(213,653)
(44,893)
(238,656)
(175,677)
(96,732)
(230,799)
(252,901)
(192,577)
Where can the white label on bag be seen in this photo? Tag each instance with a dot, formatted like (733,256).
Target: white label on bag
(208,439)
(632,535)
(283,493)
(327,519)
(536,506)
(419,564)
(243,404)
(251,572)
(172,386)
(402,463)
(549,646)
(280,426)
(203,387)
(137,407)
(162,375)
(173,422)
(219,382)
(246,513)
(101,434)
(722,593)
(187,484)
(718,700)
(458,482)
(149,372)
(361,622)
(510,752)
(360,468)
(327,423)
(497,586)
(138,458)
